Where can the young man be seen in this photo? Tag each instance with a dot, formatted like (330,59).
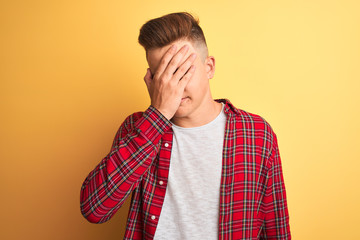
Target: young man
(195,167)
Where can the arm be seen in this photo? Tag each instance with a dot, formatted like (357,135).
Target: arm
(107,187)
(276,220)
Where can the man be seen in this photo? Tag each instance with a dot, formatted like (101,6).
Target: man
(195,167)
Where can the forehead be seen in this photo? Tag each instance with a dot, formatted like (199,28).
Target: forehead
(154,55)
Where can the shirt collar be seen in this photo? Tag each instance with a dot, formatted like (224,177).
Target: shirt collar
(229,108)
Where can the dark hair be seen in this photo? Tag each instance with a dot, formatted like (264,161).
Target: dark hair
(162,31)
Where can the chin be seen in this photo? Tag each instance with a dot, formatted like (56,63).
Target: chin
(184,109)
(181,113)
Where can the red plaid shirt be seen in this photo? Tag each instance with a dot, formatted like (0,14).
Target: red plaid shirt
(252,192)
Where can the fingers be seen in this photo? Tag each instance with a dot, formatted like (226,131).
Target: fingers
(175,62)
(185,79)
(165,59)
(170,61)
(184,67)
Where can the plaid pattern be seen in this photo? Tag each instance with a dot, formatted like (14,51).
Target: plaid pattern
(252,192)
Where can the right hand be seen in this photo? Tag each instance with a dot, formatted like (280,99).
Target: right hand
(166,88)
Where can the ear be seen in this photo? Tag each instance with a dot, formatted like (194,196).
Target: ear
(210,66)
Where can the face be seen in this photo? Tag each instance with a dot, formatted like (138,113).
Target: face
(197,91)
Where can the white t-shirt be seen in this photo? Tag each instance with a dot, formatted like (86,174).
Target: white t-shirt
(191,205)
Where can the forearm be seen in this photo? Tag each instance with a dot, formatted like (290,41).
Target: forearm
(107,187)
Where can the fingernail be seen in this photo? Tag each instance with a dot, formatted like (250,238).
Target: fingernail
(193,56)
(173,47)
(186,47)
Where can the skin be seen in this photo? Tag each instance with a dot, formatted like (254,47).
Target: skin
(199,108)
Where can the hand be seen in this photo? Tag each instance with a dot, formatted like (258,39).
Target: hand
(167,86)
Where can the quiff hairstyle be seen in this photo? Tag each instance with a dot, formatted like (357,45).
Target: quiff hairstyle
(162,31)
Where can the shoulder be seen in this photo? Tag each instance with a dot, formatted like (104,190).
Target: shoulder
(254,121)
(250,123)
(260,132)
(257,128)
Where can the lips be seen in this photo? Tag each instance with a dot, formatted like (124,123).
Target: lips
(183,99)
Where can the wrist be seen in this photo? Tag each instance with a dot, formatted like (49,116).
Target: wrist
(164,113)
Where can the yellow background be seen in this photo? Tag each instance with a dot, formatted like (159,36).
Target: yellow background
(71,71)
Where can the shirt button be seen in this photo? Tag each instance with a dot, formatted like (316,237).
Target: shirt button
(166,144)
(152,217)
(161,182)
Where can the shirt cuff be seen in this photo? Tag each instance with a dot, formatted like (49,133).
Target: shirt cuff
(153,124)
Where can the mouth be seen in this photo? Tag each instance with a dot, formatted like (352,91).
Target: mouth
(183,99)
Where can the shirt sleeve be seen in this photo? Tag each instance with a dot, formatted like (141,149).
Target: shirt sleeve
(276,221)
(107,186)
